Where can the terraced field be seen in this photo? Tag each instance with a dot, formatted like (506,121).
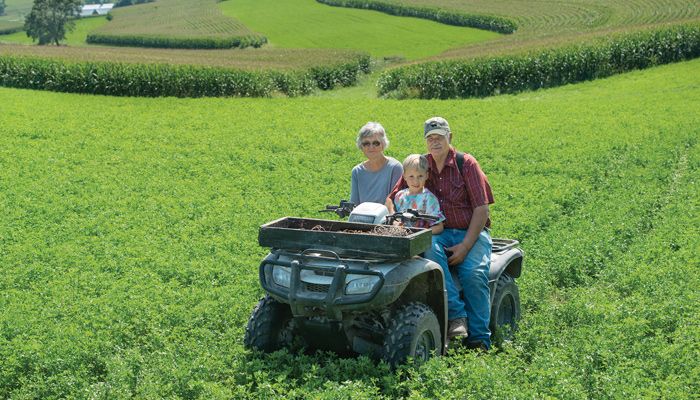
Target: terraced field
(308,24)
(550,16)
(294,24)
(174,18)
(544,23)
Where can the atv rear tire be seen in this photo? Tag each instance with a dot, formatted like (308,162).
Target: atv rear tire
(414,331)
(505,310)
(270,326)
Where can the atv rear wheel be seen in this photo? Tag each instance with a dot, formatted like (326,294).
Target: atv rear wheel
(414,331)
(505,310)
(270,326)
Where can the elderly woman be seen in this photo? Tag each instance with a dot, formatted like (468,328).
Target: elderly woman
(373,179)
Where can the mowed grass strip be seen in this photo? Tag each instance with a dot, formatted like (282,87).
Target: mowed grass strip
(129,239)
(308,24)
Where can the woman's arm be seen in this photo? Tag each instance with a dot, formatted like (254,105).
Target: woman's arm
(354,188)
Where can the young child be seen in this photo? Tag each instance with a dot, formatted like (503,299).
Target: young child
(416,196)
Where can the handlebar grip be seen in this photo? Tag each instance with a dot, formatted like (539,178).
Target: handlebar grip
(428,216)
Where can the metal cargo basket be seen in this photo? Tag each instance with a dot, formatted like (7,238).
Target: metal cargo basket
(347,239)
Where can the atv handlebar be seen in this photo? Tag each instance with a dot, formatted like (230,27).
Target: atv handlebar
(343,210)
(410,216)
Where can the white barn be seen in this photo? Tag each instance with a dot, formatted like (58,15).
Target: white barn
(89,10)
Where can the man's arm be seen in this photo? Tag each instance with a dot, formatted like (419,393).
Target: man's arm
(476,225)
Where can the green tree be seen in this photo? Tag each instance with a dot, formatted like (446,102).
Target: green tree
(49,20)
(2,7)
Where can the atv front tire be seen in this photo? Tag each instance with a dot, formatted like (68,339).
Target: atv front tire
(270,326)
(413,332)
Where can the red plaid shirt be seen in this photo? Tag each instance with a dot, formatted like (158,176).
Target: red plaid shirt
(458,194)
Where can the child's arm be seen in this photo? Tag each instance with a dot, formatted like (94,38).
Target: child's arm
(433,208)
(390,205)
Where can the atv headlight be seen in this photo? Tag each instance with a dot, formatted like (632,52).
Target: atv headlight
(361,285)
(281,275)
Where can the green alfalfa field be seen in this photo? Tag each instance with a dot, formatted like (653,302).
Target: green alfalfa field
(129,256)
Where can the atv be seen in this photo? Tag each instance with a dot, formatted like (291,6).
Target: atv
(361,286)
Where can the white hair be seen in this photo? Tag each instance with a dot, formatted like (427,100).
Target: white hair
(371,129)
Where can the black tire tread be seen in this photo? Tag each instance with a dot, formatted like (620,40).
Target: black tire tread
(401,330)
(267,318)
(505,284)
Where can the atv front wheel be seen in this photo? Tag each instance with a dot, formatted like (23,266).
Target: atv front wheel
(270,326)
(413,332)
(505,310)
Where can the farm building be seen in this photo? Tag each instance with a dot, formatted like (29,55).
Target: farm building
(95,9)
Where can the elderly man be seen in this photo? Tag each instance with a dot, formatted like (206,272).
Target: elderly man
(464,194)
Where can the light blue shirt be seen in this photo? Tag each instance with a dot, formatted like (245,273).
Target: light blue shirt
(374,186)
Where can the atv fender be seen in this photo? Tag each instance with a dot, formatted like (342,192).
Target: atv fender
(509,261)
(419,280)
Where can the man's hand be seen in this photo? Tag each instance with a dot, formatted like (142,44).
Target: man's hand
(459,252)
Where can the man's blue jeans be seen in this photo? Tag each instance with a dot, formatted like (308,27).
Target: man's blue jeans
(473,274)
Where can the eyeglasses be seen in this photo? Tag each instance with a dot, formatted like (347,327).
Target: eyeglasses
(376,143)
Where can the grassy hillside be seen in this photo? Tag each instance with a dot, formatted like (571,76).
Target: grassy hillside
(307,24)
(129,254)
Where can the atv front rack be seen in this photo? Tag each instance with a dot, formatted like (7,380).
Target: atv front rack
(347,239)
